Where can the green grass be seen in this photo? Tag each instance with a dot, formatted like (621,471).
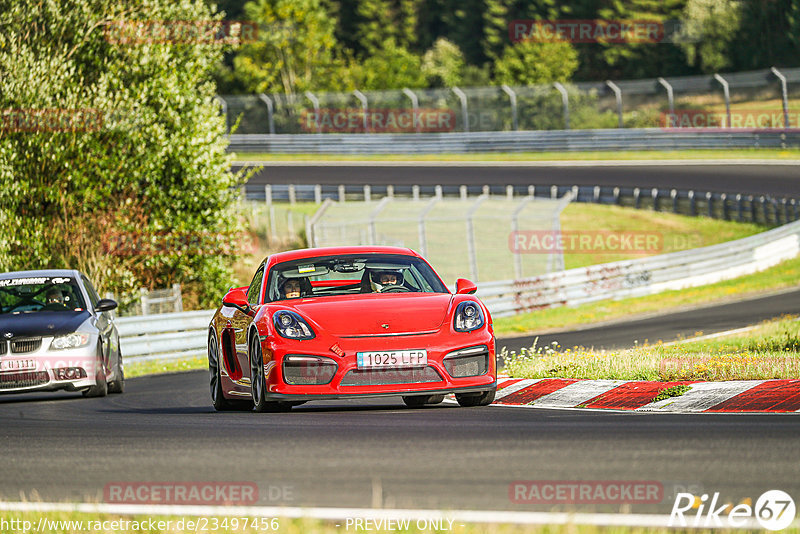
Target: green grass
(782,276)
(670,392)
(135,369)
(754,153)
(771,350)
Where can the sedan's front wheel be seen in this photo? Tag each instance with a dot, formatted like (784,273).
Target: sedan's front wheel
(100,387)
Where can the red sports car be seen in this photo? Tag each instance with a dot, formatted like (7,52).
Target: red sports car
(349,322)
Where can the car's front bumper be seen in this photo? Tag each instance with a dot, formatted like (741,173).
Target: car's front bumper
(43,369)
(436,376)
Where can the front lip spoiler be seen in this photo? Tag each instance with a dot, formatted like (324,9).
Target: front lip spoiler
(445,391)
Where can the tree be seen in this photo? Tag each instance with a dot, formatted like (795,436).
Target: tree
(717,23)
(529,63)
(295,50)
(390,67)
(443,64)
(109,141)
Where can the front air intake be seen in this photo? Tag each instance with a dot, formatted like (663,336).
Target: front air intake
(302,370)
(382,377)
(473,361)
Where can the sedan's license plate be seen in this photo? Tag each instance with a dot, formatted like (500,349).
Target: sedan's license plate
(392,358)
(17,365)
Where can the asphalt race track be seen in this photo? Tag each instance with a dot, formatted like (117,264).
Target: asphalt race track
(378,452)
(747,179)
(682,324)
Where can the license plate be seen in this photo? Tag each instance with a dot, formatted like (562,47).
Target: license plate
(17,365)
(392,358)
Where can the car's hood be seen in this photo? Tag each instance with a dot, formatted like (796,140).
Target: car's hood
(42,323)
(367,314)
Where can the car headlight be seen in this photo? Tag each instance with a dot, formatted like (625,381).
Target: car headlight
(469,317)
(290,325)
(70,341)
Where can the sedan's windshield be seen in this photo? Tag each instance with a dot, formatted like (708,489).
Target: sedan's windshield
(351,274)
(40,293)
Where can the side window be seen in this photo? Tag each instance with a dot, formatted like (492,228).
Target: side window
(92,293)
(255,286)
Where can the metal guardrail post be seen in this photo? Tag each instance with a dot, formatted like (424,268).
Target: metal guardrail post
(292,194)
(739,207)
(710,204)
(464,111)
(691,203)
(724,199)
(654,194)
(314,102)
(727,92)
(618,96)
(224,110)
(670,96)
(414,106)
(596,194)
(785,94)
(674,195)
(390,191)
(553,191)
(509,192)
(364,107)
(270,112)
(317,194)
(636,196)
(512,96)
(342,196)
(415,192)
(423,238)
(752,202)
(471,250)
(367,193)
(487,190)
(514,230)
(462,192)
(531,190)
(564,102)
(615,194)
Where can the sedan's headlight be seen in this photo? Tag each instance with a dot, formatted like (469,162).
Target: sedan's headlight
(70,341)
(469,317)
(290,325)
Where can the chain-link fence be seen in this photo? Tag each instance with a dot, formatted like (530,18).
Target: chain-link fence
(470,238)
(755,99)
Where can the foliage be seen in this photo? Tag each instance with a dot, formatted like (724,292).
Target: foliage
(718,22)
(151,162)
(443,64)
(529,62)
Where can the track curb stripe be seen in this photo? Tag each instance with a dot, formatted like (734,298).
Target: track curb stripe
(739,396)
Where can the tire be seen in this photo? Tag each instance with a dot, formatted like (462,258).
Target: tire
(468,400)
(118,384)
(218,400)
(418,401)
(258,383)
(435,399)
(100,388)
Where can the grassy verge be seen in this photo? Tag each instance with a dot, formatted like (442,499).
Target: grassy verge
(74,522)
(135,369)
(782,276)
(771,350)
(754,153)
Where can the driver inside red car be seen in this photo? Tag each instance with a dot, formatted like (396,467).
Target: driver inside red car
(381,280)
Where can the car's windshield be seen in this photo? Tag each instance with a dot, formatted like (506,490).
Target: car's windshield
(351,274)
(40,293)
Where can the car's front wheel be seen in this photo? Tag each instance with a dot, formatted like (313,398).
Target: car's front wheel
(118,384)
(100,387)
(221,404)
(475,399)
(258,382)
(417,401)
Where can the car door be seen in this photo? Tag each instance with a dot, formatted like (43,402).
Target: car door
(103,322)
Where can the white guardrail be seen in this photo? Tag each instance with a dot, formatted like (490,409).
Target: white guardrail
(183,335)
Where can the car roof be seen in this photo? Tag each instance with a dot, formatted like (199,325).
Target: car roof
(41,272)
(327,251)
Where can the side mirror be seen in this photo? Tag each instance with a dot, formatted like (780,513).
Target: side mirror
(465,287)
(236,298)
(104,305)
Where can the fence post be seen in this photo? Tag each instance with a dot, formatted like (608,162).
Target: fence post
(471,251)
(270,112)
(596,195)
(531,190)
(514,230)
(373,231)
(710,202)
(512,96)
(143,300)
(314,102)
(176,294)
(752,208)
(464,112)
(415,192)
(727,92)
(739,207)
(654,194)
(462,192)
(674,195)
(670,95)
(423,239)
(414,106)
(268,194)
(553,191)
(341,193)
(636,195)
(487,190)
(367,193)
(564,102)
(618,95)
(292,194)
(509,192)
(390,191)
(311,235)
(290,222)
(724,199)
(272,222)
(785,94)
(317,194)
(364,107)
(616,195)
